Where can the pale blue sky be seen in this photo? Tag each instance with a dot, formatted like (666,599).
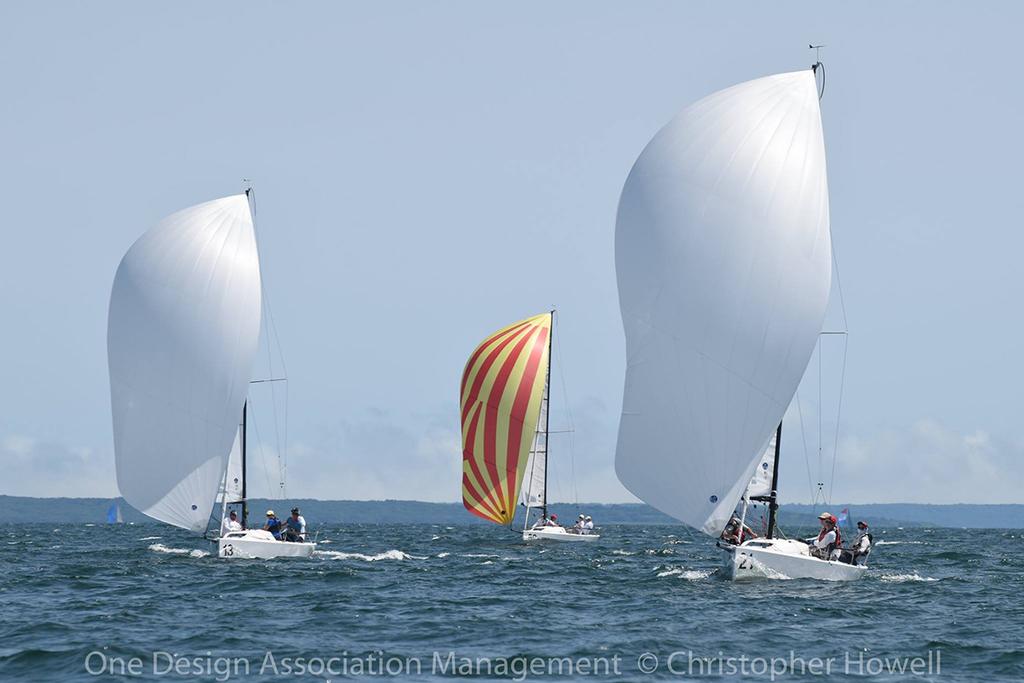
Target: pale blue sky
(429,172)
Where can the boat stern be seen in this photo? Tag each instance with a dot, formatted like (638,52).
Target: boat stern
(261,545)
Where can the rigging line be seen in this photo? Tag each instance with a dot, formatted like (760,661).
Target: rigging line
(267,328)
(839,286)
(839,417)
(259,444)
(821,352)
(572,425)
(803,436)
(284,474)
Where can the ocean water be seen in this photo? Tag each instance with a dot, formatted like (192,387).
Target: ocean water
(429,602)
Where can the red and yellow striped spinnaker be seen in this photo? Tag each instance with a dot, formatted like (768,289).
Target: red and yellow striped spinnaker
(502,388)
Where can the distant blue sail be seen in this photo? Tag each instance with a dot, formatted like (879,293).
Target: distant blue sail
(114,514)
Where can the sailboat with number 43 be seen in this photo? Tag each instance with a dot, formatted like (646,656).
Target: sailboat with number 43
(504,402)
(182,335)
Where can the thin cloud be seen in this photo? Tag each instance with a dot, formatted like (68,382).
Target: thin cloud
(34,467)
(929,462)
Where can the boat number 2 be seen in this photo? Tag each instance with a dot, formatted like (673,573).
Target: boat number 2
(744,563)
(228,551)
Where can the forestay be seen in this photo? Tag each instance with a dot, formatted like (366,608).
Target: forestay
(500,399)
(182,333)
(723,258)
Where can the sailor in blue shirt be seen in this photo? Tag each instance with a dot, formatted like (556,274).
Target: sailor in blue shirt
(295,527)
(273,525)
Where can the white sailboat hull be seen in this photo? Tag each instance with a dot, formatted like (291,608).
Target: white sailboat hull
(557,533)
(781,558)
(259,544)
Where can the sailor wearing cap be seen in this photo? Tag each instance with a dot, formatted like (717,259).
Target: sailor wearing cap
(828,537)
(273,525)
(296,527)
(862,544)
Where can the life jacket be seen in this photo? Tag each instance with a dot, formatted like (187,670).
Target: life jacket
(274,527)
(837,543)
(871,543)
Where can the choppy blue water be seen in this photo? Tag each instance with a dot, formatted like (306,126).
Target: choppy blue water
(147,602)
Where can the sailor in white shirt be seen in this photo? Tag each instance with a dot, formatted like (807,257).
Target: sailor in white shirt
(580,525)
(862,545)
(230,523)
(588,525)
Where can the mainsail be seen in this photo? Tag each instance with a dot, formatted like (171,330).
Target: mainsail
(233,479)
(723,258)
(535,479)
(114,514)
(500,401)
(761,481)
(181,338)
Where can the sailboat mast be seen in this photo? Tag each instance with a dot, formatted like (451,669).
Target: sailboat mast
(245,406)
(773,505)
(245,502)
(547,415)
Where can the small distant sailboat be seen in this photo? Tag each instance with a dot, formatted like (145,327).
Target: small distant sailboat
(724,260)
(182,335)
(114,514)
(504,401)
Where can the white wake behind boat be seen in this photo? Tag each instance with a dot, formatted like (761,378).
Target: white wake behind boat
(724,260)
(182,334)
(504,400)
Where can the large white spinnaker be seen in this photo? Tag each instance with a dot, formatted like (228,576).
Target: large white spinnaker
(181,338)
(723,258)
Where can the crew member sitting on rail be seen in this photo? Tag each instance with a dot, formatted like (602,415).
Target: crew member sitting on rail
(230,523)
(545,521)
(273,525)
(828,539)
(295,527)
(862,545)
(733,535)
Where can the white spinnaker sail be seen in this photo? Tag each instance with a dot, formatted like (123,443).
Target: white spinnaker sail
(761,481)
(233,480)
(723,258)
(181,337)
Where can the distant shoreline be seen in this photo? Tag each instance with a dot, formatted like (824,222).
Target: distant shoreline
(952,515)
